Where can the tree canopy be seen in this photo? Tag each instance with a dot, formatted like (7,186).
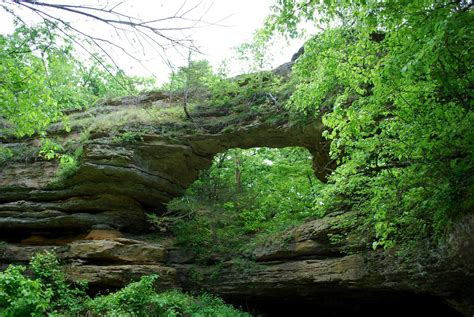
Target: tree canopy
(41,76)
(393,81)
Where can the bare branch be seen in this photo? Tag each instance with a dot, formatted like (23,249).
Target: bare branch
(161,34)
(104,16)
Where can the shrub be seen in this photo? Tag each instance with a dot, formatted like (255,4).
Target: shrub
(68,165)
(65,297)
(141,299)
(52,295)
(133,300)
(129,137)
(21,296)
(50,149)
(5,155)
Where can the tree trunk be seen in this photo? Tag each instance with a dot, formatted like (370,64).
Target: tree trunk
(238,174)
(186,89)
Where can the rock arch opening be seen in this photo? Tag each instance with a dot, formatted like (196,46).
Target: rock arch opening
(118,183)
(244,195)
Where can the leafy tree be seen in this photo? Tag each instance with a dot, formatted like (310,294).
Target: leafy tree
(193,78)
(256,55)
(41,76)
(48,294)
(393,81)
(20,296)
(25,95)
(197,81)
(66,298)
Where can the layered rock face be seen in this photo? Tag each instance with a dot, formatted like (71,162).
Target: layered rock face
(304,267)
(107,264)
(118,180)
(134,162)
(300,268)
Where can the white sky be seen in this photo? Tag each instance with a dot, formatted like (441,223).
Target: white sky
(241,18)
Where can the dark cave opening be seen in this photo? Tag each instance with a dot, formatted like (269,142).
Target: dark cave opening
(357,304)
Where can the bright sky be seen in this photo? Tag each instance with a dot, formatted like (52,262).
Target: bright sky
(238,20)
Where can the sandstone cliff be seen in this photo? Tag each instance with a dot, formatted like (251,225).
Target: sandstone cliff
(138,153)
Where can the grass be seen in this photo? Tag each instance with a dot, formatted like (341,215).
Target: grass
(18,153)
(129,117)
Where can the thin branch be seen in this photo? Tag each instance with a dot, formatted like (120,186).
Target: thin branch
(157,34)
(131,22)
(98,60)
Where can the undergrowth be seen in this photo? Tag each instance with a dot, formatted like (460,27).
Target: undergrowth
(49,293)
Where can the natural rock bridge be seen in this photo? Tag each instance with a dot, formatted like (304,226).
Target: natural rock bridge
(140,154)
(118,182)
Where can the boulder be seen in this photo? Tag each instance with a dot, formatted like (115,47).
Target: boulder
(112,277)
(312,239)
(103,234)
(117,250)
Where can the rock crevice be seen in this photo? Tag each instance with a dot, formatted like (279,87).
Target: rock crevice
(309,275)
(139,175)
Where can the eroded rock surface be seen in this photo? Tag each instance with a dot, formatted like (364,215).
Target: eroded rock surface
(313,239)
(88,219)
(107,264)
(312,269)
(119,250)
(112,277)
(120,179)
(308,269)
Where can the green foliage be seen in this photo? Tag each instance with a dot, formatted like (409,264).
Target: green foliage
(24,97)
(198,80)
(255,56)
(102,80)
(18,153)
(21,296)
(393,82)
(65,298)
(68,165)
(133,300)
(174,303)
(50,150)
(195,78)
(68,162)
(223,91)
(140,299)
(50,294)
(129,137)
(40,76)
(250,92)
(5,155)
(257,85)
